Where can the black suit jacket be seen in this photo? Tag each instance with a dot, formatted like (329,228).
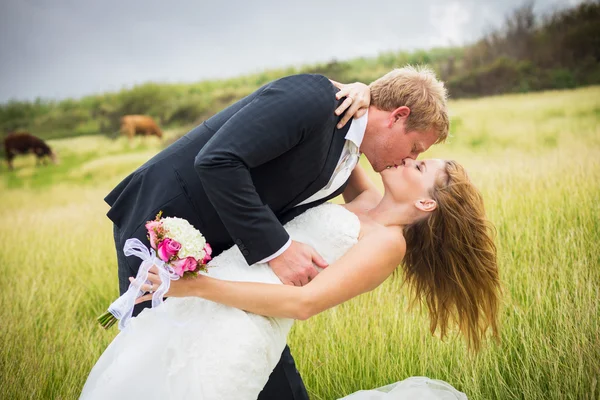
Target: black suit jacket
(238,175)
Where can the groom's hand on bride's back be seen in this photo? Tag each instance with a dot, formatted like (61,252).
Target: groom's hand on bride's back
(296,265)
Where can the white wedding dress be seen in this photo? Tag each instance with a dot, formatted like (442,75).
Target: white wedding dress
(191,348)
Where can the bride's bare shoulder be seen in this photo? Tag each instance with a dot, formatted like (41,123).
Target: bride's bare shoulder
(384,238)
(366,200)
(363,202)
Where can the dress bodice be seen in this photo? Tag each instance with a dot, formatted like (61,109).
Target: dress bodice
(328,228)
(206,350)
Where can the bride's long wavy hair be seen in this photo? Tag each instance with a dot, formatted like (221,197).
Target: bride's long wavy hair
(450,261)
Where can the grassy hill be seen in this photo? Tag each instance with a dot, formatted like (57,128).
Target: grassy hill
(535,158)
(528,53)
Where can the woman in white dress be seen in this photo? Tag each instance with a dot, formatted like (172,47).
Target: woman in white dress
(219,336)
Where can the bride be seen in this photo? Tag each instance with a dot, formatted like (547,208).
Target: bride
(220,335)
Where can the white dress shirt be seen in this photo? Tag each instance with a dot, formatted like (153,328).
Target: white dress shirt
(346,163)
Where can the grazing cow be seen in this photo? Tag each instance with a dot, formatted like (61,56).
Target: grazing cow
(23,143)
(139,125)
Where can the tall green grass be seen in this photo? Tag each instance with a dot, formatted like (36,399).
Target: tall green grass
(536,159)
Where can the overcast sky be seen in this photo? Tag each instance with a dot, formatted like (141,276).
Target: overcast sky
(71,48)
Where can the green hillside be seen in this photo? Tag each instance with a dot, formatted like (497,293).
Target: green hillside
(528,53)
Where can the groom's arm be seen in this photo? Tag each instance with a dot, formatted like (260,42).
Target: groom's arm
(275,121)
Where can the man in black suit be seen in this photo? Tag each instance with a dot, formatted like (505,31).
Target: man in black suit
(246,171)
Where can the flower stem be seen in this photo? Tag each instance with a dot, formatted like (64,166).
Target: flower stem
(106,320)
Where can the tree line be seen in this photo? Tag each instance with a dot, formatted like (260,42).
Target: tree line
(527,53)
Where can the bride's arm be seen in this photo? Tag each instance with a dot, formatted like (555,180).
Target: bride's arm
(364,267)
(361,189)
(357,99)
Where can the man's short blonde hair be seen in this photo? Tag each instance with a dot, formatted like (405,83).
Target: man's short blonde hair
(417,88)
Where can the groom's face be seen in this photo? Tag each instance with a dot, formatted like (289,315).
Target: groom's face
(390,143)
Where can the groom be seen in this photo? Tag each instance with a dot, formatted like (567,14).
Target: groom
(246,171)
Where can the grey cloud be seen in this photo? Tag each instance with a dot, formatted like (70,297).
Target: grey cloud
(64,48)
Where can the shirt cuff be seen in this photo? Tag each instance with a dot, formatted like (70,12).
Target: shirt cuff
(277,254)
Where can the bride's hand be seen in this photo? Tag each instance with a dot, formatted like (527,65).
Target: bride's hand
(179,288)
(358,98)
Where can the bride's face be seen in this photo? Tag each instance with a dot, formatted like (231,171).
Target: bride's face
(412,180)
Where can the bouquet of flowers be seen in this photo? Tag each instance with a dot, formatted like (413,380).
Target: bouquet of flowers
(178,250)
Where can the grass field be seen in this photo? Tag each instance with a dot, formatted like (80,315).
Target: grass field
(536,158)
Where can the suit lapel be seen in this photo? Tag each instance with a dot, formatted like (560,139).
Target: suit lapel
(335,150)
(295,211)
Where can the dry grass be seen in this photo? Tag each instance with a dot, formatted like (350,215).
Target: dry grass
(536,159)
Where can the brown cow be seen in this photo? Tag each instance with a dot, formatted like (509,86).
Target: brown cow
(139,124)
(23,143)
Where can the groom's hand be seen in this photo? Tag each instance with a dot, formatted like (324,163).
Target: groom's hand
(296,265)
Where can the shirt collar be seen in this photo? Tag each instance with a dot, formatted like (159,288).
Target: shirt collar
(356,132)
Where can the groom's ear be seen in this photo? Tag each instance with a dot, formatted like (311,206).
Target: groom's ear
(426,205)
(399,114)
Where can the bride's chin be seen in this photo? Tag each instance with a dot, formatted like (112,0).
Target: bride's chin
(384,173)
(387,177)
(389,171)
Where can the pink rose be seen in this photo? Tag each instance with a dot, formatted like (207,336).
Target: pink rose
(208,251)
(154,228)
(168,248)
(184,264)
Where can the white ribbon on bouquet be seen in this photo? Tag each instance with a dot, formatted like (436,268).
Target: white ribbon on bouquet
(122,308)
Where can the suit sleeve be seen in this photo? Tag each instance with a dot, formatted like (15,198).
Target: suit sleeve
(275,121)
